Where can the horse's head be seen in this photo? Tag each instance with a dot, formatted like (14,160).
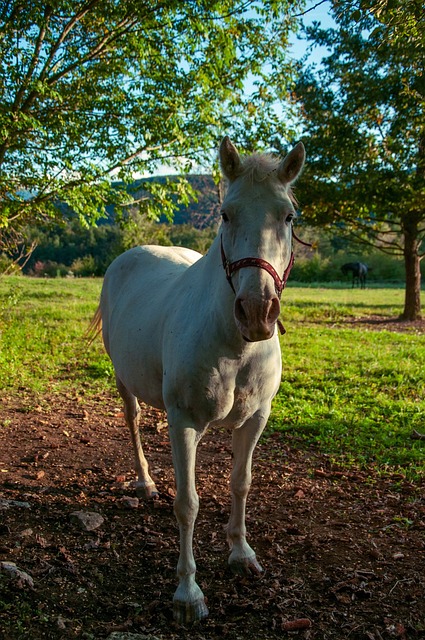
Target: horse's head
(256,234)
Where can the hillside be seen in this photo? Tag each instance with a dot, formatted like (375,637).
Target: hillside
(198,213)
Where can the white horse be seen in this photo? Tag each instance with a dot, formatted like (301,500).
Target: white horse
(197,336)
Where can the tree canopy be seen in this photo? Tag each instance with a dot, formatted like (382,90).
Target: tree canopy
(102,89)
(363,120)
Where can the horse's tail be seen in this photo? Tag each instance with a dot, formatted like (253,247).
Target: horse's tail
(95,326)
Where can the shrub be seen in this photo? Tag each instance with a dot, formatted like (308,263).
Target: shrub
(8,265)
(48,269)
(84,267)
(314,269)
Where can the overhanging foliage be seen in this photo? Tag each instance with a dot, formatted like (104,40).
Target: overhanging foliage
(363,118)
(98,90)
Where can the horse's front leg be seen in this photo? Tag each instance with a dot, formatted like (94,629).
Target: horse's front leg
(242,558)
(188,602)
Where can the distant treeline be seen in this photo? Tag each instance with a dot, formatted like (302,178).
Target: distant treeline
(69,249)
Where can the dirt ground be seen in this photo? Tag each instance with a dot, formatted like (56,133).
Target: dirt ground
(343,551)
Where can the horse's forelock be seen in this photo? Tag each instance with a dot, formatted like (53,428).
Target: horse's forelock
(259,167)
(263,166)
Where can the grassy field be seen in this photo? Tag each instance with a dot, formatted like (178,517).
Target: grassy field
(354,393)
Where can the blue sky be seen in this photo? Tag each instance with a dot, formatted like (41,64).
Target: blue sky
(314,11)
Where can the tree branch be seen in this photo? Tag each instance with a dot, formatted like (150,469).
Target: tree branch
(304,13)
(68,27)
(138,152)
(120,29)
(34,61)
(24,254)
(126,24)
(392,249)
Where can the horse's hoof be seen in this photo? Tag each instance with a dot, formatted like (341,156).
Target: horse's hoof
(189,612)
(146,491)
(246,566)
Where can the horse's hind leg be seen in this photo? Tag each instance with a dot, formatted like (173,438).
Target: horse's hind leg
(144,484)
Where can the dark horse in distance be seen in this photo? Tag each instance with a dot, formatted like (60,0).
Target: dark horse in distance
(359,271)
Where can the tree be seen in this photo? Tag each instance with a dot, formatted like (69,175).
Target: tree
(404,21)
(364,127)
(101,89)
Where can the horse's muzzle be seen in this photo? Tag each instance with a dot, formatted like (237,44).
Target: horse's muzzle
(256,318)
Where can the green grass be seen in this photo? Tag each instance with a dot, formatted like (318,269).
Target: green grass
(357,394)
(352,393)
(43,346)
(331,305)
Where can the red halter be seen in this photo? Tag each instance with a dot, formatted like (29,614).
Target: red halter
(231,267)
(279,282)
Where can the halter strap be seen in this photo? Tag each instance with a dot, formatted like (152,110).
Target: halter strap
(306,244)
(231,267)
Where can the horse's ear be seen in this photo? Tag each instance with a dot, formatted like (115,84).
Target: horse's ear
(229,159)
(290,167)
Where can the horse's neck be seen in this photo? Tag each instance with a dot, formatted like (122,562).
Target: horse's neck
(218,290)
(218,295)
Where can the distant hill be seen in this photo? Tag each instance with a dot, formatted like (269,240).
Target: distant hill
(199,214)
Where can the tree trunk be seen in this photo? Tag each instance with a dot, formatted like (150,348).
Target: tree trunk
(412,298)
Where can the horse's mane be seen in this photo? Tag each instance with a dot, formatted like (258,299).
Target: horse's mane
(262,166)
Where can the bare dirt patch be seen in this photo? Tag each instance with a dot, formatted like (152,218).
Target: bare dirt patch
(382,323)
(342,549)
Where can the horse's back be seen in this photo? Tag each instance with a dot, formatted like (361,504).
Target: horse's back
(147,272)
(150,266)
(140,261)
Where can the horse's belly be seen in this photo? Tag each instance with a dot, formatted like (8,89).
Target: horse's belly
(146,385)
(138,366)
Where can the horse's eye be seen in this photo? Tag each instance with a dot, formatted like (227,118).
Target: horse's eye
(224,216)
(290,217)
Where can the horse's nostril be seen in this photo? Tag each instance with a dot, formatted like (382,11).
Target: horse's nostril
(239,310)
(254,312)
(273,311)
